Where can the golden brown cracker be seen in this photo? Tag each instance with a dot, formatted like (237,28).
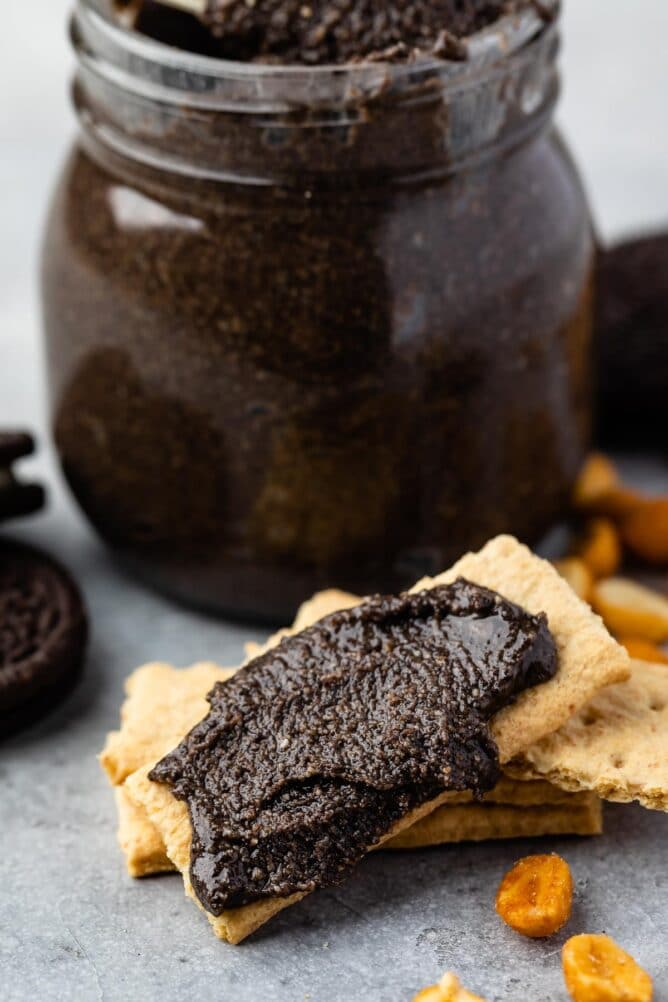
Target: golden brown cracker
(170,818)
(588,660)
(145,853)
(161,705)
(616,746)
(481,822)
(520,793)
(142,845)
(322,604)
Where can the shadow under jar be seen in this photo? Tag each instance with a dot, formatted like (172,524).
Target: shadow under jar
(316,326)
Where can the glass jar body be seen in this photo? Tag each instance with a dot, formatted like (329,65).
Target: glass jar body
(259,392)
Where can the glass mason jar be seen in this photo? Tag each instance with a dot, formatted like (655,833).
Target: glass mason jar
(318,326)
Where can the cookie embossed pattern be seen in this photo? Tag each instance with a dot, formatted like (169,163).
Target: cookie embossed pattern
(43,634)
(43,622)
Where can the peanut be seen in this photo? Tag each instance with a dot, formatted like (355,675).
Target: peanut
(643,650)
(578,575)
(596,969)
(431,994)
(597,477)
(630,609)
(447,990)
(599,547)
(599,491)
(536,896)
(645,530)
(642,521)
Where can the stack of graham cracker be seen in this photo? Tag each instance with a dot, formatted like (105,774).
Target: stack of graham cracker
(599,728)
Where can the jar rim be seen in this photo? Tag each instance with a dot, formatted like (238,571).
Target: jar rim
(146,66)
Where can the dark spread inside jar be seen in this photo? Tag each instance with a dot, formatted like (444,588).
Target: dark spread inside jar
(315,750)
(316,329)
(315,32)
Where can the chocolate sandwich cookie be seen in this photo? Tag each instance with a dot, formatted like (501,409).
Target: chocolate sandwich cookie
(632,343)
(43,632)
(16,498)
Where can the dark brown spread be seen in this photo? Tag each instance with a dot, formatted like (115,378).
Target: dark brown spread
(347,373)
(326,31)
(312,752)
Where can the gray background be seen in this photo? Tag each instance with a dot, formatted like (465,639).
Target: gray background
(72,925)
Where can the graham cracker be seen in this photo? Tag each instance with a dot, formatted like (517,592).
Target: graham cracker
(182,692)
(145,852)
(520,793)
(617,746)
(568,814)
(483,822)
(474,822)
(170,818)
(158,692)
(322,604)
(175,700)
(140,841)
(589,659)
(160,707)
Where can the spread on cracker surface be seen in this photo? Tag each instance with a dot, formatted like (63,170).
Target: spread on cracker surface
(164,704)
(315,750)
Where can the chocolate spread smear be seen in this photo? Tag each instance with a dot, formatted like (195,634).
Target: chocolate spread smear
(312,752)
(314,32)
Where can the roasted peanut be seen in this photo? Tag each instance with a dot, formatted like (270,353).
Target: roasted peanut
(599,491)
(447,990)
(599,547)
(643,650)
(596,969)
(597,477)
(630,609)
(645,530)
(578,575)
(536,896)
(431,994)
(642,521)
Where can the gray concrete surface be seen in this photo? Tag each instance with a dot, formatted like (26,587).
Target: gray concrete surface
(72,925)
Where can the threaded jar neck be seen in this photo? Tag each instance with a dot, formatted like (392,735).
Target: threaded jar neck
(220,120)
